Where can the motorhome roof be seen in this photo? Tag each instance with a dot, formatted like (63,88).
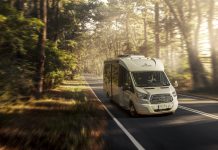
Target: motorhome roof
(140,63)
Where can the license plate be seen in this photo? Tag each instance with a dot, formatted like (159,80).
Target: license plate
(162,106)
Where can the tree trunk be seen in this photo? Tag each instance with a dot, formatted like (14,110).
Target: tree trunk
(156,31)
(167,40)
(20,5)
(171,39)
(145,49)
(41,46)
(12,3)
(197,29)
(128,50)
(36,9)
(196,67)
(54,20)
(198,73)
(212,43)
(117,39)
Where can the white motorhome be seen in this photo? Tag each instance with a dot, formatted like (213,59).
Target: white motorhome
(139,84)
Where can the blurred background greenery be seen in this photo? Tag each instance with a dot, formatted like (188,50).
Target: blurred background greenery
(21,24)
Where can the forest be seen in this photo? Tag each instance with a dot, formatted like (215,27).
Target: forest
(44,42)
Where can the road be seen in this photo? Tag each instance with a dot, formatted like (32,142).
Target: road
(194,126)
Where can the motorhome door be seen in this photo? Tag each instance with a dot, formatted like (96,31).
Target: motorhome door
(127,88)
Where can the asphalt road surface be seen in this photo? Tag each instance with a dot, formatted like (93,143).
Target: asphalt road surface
(194,126)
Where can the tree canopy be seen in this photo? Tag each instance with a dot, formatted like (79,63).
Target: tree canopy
(43,42)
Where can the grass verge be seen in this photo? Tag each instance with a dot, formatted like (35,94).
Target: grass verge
(68,117)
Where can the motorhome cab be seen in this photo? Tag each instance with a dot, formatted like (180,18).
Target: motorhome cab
(139,85)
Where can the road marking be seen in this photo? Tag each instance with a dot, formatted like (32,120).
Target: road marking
(199,112)
(132,139)
(197,102)
(189,96)
(198,97)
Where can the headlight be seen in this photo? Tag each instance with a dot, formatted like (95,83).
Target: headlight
(174,93)
(142,95)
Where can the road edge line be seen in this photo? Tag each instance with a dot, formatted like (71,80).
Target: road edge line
(119,124)
(198,112)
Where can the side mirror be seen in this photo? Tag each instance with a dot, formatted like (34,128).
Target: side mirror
(126,86)
(175,84)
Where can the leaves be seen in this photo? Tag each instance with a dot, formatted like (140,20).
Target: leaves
(2,18)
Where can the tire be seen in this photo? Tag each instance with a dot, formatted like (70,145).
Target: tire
(132,110)
(108,96)
(172,113)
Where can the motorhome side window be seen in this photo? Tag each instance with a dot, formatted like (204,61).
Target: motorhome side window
(122,73)
(128,81)
(115,73)
(124,78)
(107,72)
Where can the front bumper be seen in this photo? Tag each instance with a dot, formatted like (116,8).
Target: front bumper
(149,109)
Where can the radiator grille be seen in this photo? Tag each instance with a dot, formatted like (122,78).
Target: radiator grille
(161,98)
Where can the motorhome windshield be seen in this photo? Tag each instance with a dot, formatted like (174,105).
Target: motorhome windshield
(150,79)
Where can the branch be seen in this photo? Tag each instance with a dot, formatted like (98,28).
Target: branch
(179,22)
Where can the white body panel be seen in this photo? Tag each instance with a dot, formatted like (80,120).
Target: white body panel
(144,107)
(140,63)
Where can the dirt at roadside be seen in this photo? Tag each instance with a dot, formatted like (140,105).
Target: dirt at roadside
(68,117)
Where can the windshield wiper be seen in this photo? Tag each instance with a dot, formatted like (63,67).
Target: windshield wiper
(141,85)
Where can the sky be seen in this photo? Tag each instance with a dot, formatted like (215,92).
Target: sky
(105,1)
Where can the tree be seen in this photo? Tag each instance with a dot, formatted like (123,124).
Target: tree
(199,21)
(18,40)
(157,30)
(41,46)
(198,73)
(212,43)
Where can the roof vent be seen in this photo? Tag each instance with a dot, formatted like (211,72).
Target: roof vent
(132,56)
(124,55)
(137,56)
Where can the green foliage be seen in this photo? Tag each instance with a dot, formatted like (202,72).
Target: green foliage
(2,18)
(59,64)
(69,21)
(19,44)
(18,38)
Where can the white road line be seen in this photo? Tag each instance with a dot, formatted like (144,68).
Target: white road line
(132,139)
(199,112)
(189,96)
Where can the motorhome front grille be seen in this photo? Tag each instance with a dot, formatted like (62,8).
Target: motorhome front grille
(161,98)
